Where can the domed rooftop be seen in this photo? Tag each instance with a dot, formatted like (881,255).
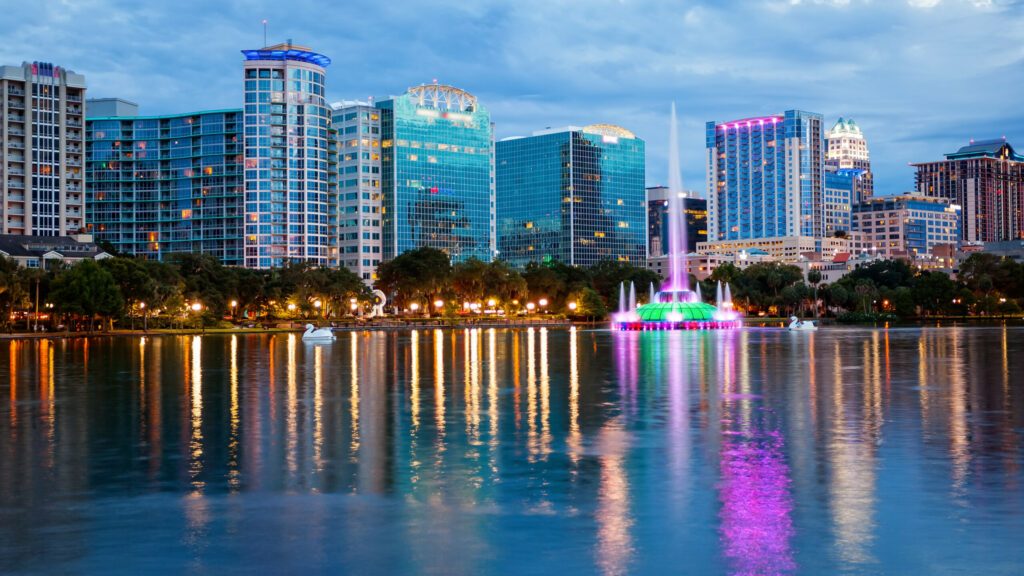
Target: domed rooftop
(846,127)
(676,312)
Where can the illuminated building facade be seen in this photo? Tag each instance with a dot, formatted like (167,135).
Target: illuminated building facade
(360,244)
(159,185)
(765,177)
(696,210)
(42,143)
(290,206)
(986,180)
(437,164)
(840,189)
(909,225)
(572,194)
(847,149)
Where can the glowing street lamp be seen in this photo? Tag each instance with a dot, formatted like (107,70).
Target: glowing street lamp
(414,306)
(530,306)
(145,317)
(317,304)
(438,304)
(572,306)
(543,302)
(291,307)
(196,306)
(491,303)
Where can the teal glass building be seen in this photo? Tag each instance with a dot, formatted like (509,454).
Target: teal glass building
(158,185)
(574,194)
(437,173)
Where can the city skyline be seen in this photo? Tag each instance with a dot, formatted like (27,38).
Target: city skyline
(892,79)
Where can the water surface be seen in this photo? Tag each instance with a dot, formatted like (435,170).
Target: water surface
(847,451)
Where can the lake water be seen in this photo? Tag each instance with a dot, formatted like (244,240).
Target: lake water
(848,451)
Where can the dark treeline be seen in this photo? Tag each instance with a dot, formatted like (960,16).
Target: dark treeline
(987,285)
(193,289)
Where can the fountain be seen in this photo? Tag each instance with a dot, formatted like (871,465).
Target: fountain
(675,307)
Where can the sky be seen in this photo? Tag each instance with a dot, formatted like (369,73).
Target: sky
(921,77)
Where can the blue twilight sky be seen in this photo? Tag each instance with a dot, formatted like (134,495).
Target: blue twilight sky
(921,77)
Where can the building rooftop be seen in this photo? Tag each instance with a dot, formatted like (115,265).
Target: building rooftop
(288,51)
(15,245)
(996,148)
(846,128)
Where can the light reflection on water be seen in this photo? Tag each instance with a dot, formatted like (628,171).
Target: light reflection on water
(492,451)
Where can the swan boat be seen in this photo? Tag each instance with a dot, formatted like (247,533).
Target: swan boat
(313,334)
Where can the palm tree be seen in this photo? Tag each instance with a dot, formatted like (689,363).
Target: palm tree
(814,277)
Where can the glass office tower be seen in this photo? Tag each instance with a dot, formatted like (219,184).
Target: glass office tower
(658,229)
(573,194)
(289,201)
(157,185)
(766,177)
(437,169)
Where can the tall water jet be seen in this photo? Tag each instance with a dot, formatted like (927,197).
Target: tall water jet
(728,295)
(718,294)
(678,270)
(622,298)
(632,297)
(651,297)
(700,297)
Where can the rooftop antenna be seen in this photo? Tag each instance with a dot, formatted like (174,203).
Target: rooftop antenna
(264,32)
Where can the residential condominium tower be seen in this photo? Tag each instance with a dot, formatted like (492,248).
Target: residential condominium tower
(908,225)
(847,149)
(359,187)
(437,181)
(158,185)
(986,179)
(766,177)
(572,194)
(289,202)
(42,143)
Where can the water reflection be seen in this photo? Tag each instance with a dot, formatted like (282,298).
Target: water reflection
(459,451)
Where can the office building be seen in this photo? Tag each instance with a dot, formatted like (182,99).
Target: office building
(159,185)
(572,194)
(360,244)
(906,226)
(847,149)
(42,143)
(840,189)
(658,231)
(786,249)
(437,164)
(765,177)
(290,208)
(986,180)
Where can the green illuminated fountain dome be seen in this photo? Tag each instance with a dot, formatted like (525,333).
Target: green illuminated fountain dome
(676,312)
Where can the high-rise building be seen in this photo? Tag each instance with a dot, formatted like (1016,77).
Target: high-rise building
(658,231)
(437,164)
(290,207)
(42,142)
(840,189)
(359,186)
(908,225)
(766,177)
(574,195)
(847,149)
(986,179)
(158,185)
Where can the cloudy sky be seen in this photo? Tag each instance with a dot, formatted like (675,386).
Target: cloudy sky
(922,77)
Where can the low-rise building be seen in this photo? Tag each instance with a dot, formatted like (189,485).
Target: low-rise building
(786,249)
(49,251)
(906,226)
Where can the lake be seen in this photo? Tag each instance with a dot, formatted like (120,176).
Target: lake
(533,451)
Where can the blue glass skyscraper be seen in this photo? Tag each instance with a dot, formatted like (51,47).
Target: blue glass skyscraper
(573,194)
(766,177)
(290,206)
(437,173)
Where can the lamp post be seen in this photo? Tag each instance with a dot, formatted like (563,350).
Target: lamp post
(543,304)
(572,307)
(414,307)
(145,318)
(197,307)
(233,304)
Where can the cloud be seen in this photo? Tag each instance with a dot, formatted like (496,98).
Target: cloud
(919,81)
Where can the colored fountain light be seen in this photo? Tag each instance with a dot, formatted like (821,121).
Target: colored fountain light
(675,307)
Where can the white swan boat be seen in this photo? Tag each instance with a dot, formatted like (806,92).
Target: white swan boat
(313,334)
(795,325)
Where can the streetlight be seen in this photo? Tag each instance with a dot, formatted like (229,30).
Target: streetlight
(145,324)
(291,307)
(438,303)
(414,306)
(491,303)
(196,306)
(572,306)
(233,304)
(530,306)
(543,302)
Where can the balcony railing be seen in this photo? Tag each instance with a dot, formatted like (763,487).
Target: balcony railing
(15,91)
(16,117)
(18,104)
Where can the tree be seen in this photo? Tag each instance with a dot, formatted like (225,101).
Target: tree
(814,278)
(588,303)
(88,290)
(419,274)
(933,292)
(608,275)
